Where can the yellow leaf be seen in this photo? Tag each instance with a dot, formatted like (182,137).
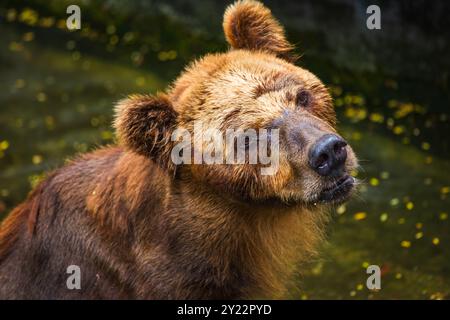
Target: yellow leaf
(360,216)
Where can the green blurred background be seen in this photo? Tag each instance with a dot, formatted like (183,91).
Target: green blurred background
(391,91)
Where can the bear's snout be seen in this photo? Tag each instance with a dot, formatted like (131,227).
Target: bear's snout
(327,156)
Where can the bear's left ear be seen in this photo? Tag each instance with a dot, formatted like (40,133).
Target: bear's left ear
(248,24)
(144,124)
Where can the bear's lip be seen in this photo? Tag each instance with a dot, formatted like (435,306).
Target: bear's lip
(339,191)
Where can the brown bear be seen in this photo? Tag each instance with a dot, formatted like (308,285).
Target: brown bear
(139,226)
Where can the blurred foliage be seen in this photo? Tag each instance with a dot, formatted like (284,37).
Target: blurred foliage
(391,94)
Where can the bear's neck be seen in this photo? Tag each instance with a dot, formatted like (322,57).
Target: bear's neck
(248,248)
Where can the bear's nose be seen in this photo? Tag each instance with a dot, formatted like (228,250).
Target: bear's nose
(327,156)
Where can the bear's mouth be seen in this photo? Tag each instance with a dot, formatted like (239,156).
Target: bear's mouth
(339,191)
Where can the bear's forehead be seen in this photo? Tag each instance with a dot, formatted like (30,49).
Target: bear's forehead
(240,89)
(239,72)
(259,69)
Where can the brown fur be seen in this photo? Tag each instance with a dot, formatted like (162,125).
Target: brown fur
(250,25)
(140,227)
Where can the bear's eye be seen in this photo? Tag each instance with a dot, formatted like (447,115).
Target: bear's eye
(303,98)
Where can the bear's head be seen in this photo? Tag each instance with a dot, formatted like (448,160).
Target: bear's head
(254,85)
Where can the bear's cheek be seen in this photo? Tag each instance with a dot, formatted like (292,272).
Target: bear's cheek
(244,179)
(227,178)
(280,176)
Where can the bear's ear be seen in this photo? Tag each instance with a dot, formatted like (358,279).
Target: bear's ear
(144,124)
(250,25)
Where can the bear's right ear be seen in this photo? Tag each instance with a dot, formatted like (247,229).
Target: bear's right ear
(144,124)
(248,24)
